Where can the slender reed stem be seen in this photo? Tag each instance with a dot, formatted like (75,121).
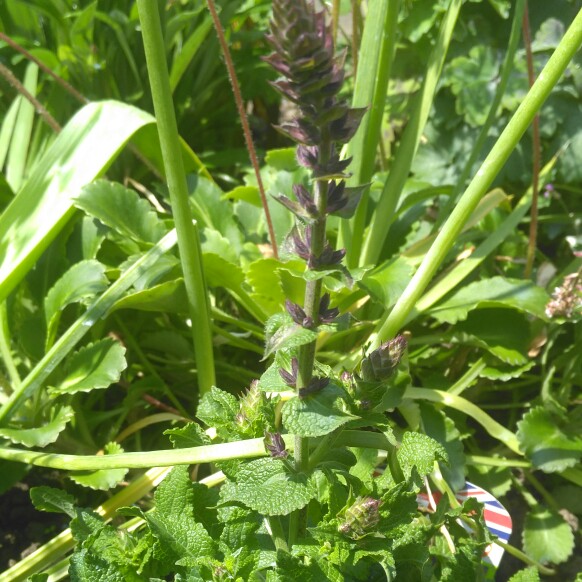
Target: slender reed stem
(38,106)
(536,153)
(244,121)
(188,236)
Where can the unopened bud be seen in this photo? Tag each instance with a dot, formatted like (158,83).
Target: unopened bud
(381,363)
(361,517)
(275,445)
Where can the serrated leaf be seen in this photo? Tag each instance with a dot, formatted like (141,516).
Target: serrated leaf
(266,486)
(282,333)
(172,520)
(271,380)
(53,500)
(103,479)
(87,567)
(315,415)
(122,210)
(542,436)
(81,282)
(94,366)
(217,408)
(221,273)
(420,451)
(44,435)
(187,436)
(547,537)
(527,575)
(495,292)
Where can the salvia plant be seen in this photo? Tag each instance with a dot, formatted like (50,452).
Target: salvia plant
(316,470)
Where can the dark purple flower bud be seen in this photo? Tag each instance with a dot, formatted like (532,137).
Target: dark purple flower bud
(315,385)
(275,445)
(361,517)
(298,315)
(380,364)
(345,204)
(302,246)
(343,129)
(307,156)
(300,131)
(304,198)
(327,315)
(290,378)
(328,258)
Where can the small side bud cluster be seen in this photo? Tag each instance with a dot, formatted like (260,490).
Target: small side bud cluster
(567,299)
(249,412)
(382,362)
(361,517)
(290,378)
(275,445)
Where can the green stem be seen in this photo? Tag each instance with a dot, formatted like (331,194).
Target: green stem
(188,236)
(277,533)
(468,377)
(5,350)
(482,180)
(165,458)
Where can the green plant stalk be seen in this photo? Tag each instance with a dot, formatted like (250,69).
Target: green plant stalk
(505,73)
(463,405)
(188,236)
(376,58)
(468,377)
(164,458)
(384,213)
(63,346)
(497,157)
(5,350)
(497,462)
(524,558)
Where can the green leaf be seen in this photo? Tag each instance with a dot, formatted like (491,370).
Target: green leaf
(248,194)
(94,366)
(122,210)
(263,277)
(420,451)
(387,282)
(282,333)
(217,408)
(495,292)
(527,575)
(172,520)
(82,281)
(187,436)
(282,159)
(266,486)
(88,567)
(46,434)
(315,415)
(547,442)
(104,479)
(53,500)
(81,152)
(547,537)
(222,273)
(168,297)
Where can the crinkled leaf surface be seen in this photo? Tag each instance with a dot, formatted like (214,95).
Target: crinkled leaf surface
(527,575)
(495,292)
(103,479)
(266,486)
(546,441)
(82,281)
(190,435)
(52,500)
(217,408)
(94,366)
(420,451)
(282,333)
(43,435)
(172,520)
(547,537)
(315,415)
(122,210)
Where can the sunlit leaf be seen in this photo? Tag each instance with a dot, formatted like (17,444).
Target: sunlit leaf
(104,479)
(547,537)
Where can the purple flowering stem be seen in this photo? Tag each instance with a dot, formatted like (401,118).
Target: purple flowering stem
(244,121)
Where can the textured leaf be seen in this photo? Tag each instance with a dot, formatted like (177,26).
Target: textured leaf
(172,521)
(271,380)
(546,441)
(282,333)
(52,500)
(315,415)
(82,281)
(266,486)
(217,408)
(495,292)
(87,567)
(103,479)
(527,575)
(46,434)
(420,451)
(94,366)
(547,537)
(187,436)
(122,210)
